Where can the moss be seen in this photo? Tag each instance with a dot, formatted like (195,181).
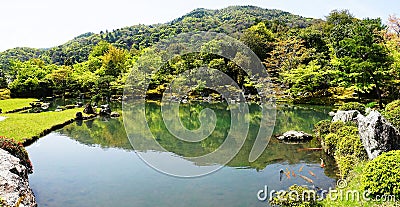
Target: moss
(16,149)
(353,106)
(381,176)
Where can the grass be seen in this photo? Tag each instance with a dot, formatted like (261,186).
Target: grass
(27,126)
(15,103)
(354,184)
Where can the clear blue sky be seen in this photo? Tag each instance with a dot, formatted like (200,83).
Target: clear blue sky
(47,23)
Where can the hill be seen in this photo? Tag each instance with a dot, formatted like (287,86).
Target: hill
(231,20)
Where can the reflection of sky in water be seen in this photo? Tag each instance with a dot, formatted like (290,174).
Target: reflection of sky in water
(72,174)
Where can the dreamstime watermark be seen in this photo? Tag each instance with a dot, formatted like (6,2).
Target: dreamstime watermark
(338,194)
(155,62)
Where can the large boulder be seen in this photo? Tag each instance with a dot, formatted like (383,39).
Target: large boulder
(377,134)
(14,184)
(295,136)
(345,116)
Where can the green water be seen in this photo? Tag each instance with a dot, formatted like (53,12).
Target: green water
(92,163)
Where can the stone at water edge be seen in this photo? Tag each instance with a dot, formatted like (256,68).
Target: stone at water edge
(89,109)
(14,183)
(377,134)
(345,116)
(295,136)
(115,114)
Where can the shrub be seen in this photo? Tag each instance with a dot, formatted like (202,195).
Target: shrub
(322,128)
(392,113)
(330,142)
(353,106)
(381,176)
(297,196)
(16,149)
(335,126)
(346,164)
(350,145)
(347,131)
(392,105)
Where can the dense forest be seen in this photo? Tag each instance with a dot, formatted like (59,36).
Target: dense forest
(339,58)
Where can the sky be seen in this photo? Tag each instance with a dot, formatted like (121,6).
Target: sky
(48,23)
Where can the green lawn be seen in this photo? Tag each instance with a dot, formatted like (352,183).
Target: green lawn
(15,103)
(25,126)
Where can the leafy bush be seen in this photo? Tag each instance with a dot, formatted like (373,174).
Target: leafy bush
(16,149)
(392,105)
(335,126)
(392,113)
(347,131)
(353,106)
(381,176)
(4,94)
(346,164)
(297,196)
(350,145)
(322,128)
(330,142)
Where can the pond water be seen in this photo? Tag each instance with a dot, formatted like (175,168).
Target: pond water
(92,163)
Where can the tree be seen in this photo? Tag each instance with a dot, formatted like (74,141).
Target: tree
(258,38)
(61,78)
(364,59)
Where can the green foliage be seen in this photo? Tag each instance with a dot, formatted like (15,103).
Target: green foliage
(346,164)
(330,142)
(335,126)
(16,149)
(5,94)
(392,113)
(381,176)
(322,128)
(392,106)
(350,146)
(296,196)
(371,105)
(347,131)
(353,106)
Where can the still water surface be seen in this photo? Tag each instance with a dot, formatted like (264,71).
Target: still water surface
(92,163)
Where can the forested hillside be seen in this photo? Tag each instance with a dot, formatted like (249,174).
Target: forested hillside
(339,58)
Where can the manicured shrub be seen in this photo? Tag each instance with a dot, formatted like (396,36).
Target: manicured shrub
(322,128)
(350,145)
(353,106)
(16,149)
(346,164)
(392,105)
(330,142)
(392,113)
(335,126)
(371,105)
(381,176)
(347,131)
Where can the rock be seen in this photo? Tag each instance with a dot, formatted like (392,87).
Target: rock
(89,109)
(79,116)
(115,114)
(14,184)
(105,110)
(377,134)
(79,104)
(1,111)
(295,136)
(70,106)
(346,116)
(331,113)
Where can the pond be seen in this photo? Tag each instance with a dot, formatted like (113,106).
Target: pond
(92,163)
